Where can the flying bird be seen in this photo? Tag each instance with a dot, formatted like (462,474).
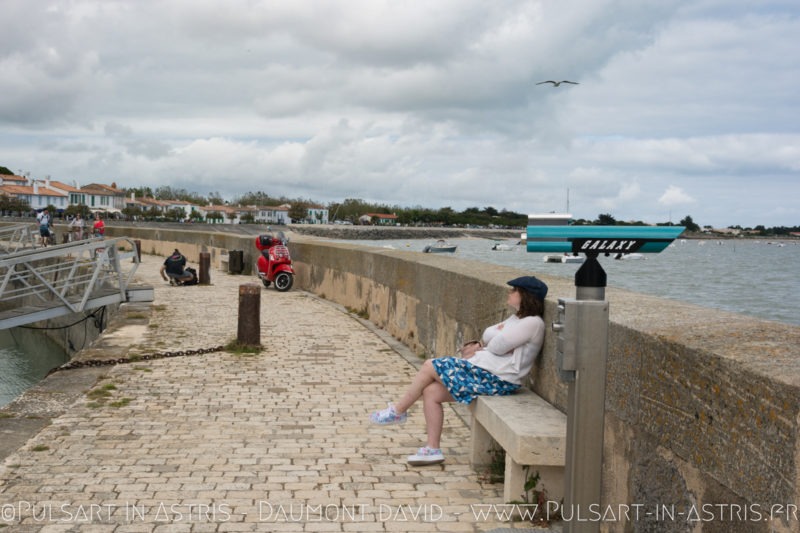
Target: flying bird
(557,83)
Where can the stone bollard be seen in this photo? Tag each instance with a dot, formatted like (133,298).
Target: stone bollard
(205,263)
(249,330)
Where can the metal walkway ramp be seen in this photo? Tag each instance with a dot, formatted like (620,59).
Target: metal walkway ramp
(45,283)
(17,237)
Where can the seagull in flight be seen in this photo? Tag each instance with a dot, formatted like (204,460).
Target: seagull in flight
(557,83)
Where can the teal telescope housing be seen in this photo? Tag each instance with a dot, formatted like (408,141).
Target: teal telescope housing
(552,233)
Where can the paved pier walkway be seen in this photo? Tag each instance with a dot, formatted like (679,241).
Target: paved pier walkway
(278,441)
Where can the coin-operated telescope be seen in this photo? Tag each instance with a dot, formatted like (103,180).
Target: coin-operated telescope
(582,343)
(552,233)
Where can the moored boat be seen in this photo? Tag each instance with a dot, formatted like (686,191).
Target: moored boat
(505,246)
(440,247)
(564,258)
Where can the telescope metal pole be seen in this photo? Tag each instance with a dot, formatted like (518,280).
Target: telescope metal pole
(586,400)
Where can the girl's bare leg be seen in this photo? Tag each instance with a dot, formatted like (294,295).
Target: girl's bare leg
(433,397)
(425,376)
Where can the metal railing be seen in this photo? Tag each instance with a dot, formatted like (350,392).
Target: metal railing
(17,237)
(67,278)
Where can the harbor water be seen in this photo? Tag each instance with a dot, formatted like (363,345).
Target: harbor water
(753,277)
(24,360)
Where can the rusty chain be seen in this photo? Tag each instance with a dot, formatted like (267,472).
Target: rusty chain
(135,359)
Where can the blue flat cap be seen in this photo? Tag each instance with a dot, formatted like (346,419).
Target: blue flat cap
(530,284)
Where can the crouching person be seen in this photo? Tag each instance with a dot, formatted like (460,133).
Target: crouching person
(174,270)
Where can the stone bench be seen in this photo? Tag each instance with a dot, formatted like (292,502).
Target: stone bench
(532,432)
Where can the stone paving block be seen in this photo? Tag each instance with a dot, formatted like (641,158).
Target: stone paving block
(288,425)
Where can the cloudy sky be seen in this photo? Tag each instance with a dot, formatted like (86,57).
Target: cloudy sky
(682,108)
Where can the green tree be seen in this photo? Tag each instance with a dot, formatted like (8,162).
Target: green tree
(12,204)
(350,209)
(215,217)
(165,192)
(605,220)
(139,192)
(215,198)
(689,224)
(78,209)
(298,211)
(132,211)
(445,215)
(5,171)
(153,213)
(175,214)
(256,198)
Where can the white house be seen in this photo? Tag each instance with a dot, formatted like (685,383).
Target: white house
(101,197)
(230,215)
(74,194)
(9,179)
(272,214)
(186,207)
(36,195)
(317,215)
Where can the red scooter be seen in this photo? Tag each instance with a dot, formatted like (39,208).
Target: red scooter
(274,265)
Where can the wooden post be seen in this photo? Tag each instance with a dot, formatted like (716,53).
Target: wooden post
(138,244)
(249,331)
(205,263)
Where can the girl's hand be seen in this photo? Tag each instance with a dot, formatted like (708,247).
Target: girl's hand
(469,349)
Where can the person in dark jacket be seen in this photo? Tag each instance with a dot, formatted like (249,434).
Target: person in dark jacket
(174,269)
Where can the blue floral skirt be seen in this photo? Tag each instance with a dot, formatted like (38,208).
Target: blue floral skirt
(466,381)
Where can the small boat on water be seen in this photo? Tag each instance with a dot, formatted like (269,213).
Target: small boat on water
(564,259)
(629,257)
(505,246)
(440,247)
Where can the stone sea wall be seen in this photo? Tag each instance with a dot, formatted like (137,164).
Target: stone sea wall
(702,406)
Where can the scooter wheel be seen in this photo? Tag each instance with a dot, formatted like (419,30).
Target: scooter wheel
(265,282)
(283,281)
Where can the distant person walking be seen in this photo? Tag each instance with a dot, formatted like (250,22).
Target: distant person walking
(44,227)
(76,226)
(496,365)
(99,227)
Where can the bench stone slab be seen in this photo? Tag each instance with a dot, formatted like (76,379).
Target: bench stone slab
(530,430)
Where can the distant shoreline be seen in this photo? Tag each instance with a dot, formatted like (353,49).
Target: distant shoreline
(377,233)
(359,232)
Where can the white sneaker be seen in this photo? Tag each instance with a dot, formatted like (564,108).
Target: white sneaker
(388,416)
(426,456)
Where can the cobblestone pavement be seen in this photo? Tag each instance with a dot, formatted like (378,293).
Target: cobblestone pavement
(278,441)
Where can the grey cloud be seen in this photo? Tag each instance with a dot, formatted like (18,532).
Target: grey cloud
(414,103)
(124,136)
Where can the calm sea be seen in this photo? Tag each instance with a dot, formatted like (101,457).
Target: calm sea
(757,278)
